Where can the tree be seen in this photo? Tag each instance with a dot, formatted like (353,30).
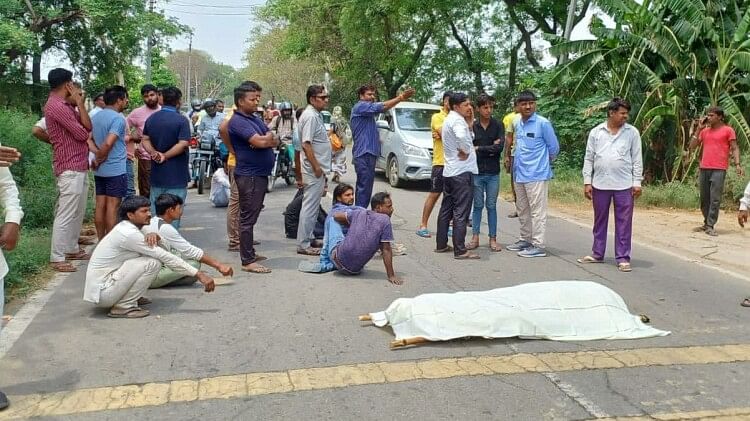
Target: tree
(379,40)
(100,37)
(208,79)
(671,59)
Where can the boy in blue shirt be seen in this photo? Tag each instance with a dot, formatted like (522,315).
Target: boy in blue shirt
(109,160)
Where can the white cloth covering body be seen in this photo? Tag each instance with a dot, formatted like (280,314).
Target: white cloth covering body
(555,310)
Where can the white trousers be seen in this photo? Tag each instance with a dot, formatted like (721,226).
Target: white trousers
(128,283)
(70,208)
(531,202)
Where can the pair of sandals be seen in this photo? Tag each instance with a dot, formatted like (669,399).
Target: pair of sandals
(466,256)
(493,248)
(131,312)
(622,266)
(254,267)
(68,267)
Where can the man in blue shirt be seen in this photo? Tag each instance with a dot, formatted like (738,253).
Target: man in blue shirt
(165,137)
(366,148)
(108,132)
(253,146)
(536,147)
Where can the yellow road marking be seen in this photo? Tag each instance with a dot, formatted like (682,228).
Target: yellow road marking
(254,384)
(718,414)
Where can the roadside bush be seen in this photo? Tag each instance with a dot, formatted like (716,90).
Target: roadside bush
(33,173)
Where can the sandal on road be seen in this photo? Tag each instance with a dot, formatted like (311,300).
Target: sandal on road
(81,255)
(255,268)
(496,248)
(624,267)
(310,251)
(63,267)
(745,302)
(424,232)
(128,313)
(589,259)
(467,256)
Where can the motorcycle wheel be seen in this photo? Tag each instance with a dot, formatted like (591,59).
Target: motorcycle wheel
(202,176)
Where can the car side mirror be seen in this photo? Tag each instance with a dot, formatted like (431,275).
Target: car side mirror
(382,124)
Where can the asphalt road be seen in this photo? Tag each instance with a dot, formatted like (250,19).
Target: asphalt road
(71,357)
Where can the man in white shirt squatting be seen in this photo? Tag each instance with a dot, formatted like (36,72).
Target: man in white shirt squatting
(127,261)
(612,172)
(168,209)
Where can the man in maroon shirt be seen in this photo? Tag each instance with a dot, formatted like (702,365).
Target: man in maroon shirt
(68,127)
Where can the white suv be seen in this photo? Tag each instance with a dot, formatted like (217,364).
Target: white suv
(406,142)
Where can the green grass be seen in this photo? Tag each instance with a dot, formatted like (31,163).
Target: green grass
(28,263)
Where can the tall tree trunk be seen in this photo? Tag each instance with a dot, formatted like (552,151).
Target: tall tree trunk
(513,66)
(36,83)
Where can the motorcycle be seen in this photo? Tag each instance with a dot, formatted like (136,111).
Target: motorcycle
(283,164)
(205,159)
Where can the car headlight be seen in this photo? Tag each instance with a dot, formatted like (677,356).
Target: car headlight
(416,151)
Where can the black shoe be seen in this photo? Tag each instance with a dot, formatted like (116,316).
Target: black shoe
(3,401)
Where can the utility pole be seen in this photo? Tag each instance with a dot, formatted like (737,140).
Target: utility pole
(187,80)
(569,26)
(149,43)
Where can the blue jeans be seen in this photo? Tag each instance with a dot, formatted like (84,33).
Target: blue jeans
(334,235)
(157,191)
(486,189)
(131,178)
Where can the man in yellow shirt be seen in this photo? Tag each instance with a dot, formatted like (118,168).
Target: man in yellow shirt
(509,146)
(438,161)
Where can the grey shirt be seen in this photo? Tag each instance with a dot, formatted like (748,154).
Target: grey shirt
(312,130)
(613,162)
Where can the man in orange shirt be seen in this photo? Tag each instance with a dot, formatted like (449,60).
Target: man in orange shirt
(719,142)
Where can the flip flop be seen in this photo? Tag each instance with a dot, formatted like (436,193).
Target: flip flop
(86,241)
(424,233)
(256,268)
(496,248)
(82,255)
(63,267)
(745,302)
(310,251)
(128,313)
(589,259)
(446,249)
(624,267)
(467,256)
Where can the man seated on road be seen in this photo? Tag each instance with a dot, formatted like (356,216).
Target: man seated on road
(343,201)
(126,262)
(291,217)
(168,209)
(369,231)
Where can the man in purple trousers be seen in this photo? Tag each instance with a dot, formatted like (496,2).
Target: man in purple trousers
(612,172)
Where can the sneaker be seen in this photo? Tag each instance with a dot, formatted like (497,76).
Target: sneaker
(533,252)
(519,245)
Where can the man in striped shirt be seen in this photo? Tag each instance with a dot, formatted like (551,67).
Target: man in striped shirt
(68,130)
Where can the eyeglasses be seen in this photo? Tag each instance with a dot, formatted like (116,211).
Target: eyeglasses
(322,96)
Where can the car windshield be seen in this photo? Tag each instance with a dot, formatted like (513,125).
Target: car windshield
(414,119)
